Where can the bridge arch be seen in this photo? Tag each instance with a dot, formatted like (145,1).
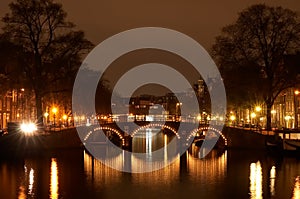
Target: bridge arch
(163,126)
(194,132)
(105,128)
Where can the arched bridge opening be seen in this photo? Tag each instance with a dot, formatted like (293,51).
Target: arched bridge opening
(105,129)
(194,132)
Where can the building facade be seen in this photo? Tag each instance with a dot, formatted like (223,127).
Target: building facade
(16,105)
(285,112)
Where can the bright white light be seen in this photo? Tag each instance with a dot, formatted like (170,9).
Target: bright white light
(149,118)
(28,127)
(273,111)
(31,181)
(253,115)
(232,118)
(287,118)
(256,177)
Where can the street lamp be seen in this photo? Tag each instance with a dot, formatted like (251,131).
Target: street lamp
(253,116)
(199,118)
(232,118)
(54,111)
(258,109)
(287,119)
(65,117)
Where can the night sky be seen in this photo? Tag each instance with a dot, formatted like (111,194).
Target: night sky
(200,19)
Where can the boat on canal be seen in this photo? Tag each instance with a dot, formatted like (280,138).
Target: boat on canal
(290,141)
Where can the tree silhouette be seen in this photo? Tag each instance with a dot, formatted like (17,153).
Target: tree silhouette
(261,37)
(52,44)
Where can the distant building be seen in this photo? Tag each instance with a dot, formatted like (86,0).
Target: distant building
(16,105)
(285,111)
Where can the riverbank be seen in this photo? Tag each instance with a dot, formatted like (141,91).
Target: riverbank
(38,143)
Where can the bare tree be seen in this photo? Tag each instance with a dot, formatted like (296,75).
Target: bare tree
(51,42)
(261,37)
(11,76)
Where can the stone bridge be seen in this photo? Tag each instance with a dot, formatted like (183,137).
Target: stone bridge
(123,133)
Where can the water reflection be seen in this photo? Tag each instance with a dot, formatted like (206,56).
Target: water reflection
(151,148)
(296,192)
(26,187)
(212,168)
(54,180)
(166,148)
(256,180)
(149,140)
(221,174)
(272,180)
(22,193)
(31,181)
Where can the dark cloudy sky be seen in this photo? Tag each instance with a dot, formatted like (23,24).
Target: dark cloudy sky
(200,19)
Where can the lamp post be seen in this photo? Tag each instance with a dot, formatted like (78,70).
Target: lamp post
(232,118)
(65,117)
(253,116)
(296,93)
(54,111)
(287,118)
(258,110)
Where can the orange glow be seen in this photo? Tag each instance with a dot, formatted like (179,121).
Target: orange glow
(54,110)
(65,117)
(54,180)
(273,111)
(258,108)
(232,118)
(253,115)
(22,193)
(297,92)
(296,193)
(256,180)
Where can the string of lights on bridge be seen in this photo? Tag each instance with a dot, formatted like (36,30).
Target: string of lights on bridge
(191,135)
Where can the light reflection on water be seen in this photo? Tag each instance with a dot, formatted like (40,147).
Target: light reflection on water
(149,140)
(31,181)
(27,186)
(296,192)
(272,180)
(210,169)
(256,181)
(221,174)
(54,179)
(22,193)
(199,170)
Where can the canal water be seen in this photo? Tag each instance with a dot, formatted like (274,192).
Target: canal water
(221,174)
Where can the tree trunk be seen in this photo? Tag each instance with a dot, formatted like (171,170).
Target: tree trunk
(38,87)
(39,108)
(269,116)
